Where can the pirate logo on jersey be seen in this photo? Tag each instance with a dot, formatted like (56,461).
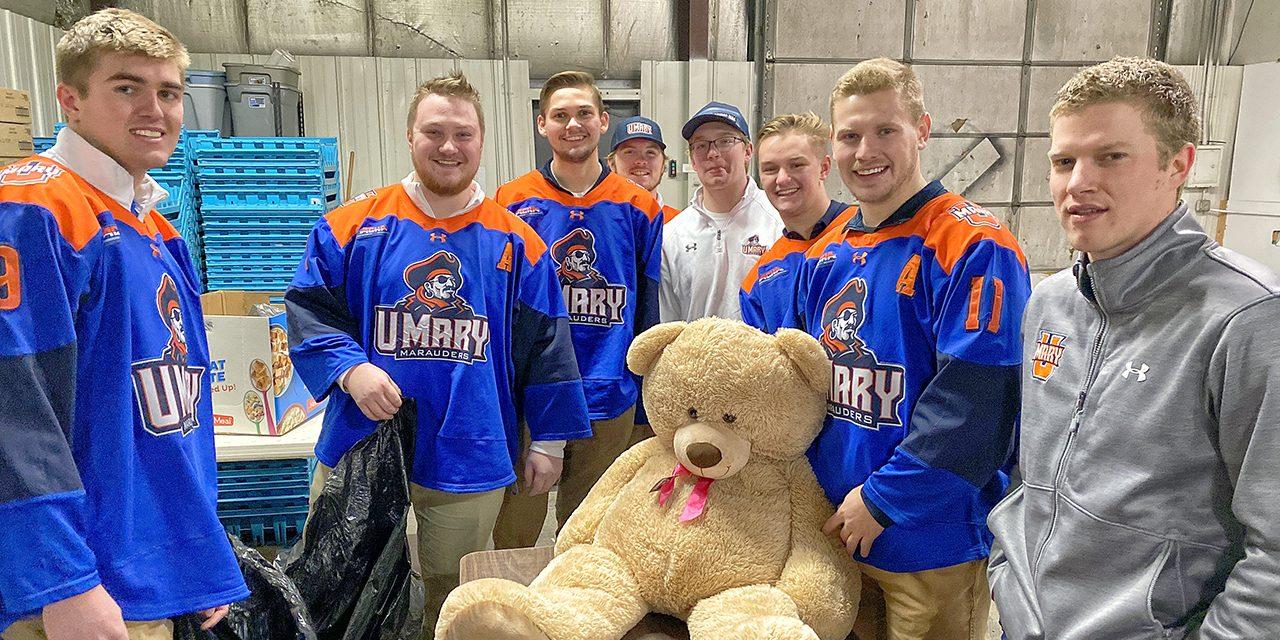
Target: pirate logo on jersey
(864,390)
(166,388)
(591,299)
(433,322)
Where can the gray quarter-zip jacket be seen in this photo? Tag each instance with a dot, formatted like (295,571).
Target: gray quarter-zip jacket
(1150,449)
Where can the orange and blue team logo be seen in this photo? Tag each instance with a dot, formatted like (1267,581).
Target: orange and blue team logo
(433,322)
(29,173)
(1049,349)
(974,215)
(863,390)
(590,298)
(166,388)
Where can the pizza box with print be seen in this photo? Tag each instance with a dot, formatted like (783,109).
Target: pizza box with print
(256,390)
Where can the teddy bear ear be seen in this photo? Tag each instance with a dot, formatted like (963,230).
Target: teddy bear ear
(808,356)
(647,346)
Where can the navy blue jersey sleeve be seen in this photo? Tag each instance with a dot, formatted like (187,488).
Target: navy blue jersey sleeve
(43,277)
(547,379)
(962,429)
(322,331)
(648,284)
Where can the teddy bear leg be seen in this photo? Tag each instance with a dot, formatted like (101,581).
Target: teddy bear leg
(586,593)
(757,612)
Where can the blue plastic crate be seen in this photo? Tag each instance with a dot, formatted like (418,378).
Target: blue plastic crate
(321,152)
(258,200)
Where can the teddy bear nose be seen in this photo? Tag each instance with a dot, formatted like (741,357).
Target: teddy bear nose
(703,455)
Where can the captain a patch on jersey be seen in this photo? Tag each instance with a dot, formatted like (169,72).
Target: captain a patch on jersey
(434,321)
(590,298)
(864,390)
(166,388)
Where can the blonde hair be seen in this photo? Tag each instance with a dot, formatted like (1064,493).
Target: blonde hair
(454,85)
(113,31)
(566,80)
(878,74)
(1167,103)
(807,124)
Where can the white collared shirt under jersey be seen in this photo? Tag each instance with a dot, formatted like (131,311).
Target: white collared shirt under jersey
(100,170)
(706,255)
(413,187)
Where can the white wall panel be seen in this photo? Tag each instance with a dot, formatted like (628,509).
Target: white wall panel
(358,122)
(27,64)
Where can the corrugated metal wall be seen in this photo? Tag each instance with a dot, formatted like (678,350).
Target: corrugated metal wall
(26,63)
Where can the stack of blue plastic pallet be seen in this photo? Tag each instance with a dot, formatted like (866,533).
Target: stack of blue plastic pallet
(259,198)
(177,177)
(264,502)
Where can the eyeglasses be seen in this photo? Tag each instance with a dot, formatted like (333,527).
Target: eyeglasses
(723,145)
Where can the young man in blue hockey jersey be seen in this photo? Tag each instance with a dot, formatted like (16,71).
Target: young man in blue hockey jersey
(605,234)
(918,301)
(108,484)
(794,162)
(429,290)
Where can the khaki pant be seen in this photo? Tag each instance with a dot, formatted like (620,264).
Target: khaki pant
(33,629)
(951,603)
(450,525)
(585,460)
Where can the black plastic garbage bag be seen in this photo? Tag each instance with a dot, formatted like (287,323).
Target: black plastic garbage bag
(352,565)
(273,611)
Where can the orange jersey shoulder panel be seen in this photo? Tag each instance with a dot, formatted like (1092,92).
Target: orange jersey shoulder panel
(529,185)
(782,248)
(955,224)
(345,220)
(616,188)
(494,216)
(72,202)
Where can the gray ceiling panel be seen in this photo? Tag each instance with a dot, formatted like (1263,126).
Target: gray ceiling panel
(1091,29)
(212,26)
(639,30)
(1045,82)
(432,28)
(984,98)
(847,29)
(566,35)
(311,27)
(967,30)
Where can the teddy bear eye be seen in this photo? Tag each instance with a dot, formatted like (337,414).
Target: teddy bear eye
(693,413)
(729,417)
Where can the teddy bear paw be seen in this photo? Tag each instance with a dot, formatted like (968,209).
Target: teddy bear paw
(773,628)
(491,621)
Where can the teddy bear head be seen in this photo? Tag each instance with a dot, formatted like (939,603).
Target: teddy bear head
(721,393)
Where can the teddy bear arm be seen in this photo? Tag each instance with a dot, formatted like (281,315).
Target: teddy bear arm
(818,575)
(581,526)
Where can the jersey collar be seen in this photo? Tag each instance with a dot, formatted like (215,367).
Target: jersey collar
(834,209)
(72,151)
(413,188)
(904,213)
(545,170)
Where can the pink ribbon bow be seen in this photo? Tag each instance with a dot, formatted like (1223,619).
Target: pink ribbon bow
(697,502)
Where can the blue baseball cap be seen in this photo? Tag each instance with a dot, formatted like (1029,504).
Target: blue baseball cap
(637,127)
(716,112)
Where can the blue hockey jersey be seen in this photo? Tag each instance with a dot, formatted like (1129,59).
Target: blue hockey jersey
(607,246)
(921,319)
(464,313)
(768,295)
(107,471)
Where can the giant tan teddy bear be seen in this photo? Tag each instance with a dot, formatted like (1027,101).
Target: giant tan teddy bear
(717,520)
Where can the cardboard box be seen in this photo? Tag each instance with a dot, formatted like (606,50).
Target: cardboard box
(15,140)
(256,390)
(15,107)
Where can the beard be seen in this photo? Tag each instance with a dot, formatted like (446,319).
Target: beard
(448,187)
(578,155)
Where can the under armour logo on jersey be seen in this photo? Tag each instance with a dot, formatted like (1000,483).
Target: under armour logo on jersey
(692,246)
(1141,371)
(860,257)
(438,236)
(577,215)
